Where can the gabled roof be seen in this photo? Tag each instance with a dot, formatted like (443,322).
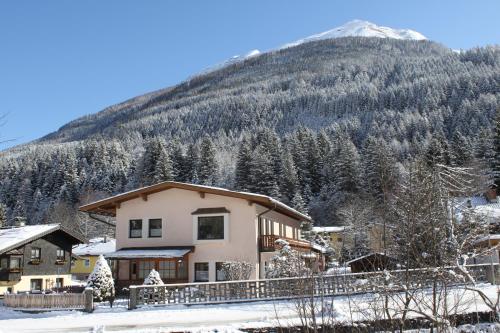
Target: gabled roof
(95,247)
(108,206)
(11,238)
(328,229)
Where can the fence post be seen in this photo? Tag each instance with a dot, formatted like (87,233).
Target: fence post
(134,292)
(88,294)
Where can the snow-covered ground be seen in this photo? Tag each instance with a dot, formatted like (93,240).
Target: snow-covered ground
(201,318)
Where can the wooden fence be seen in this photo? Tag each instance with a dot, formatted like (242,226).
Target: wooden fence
(285,288)
(82,301)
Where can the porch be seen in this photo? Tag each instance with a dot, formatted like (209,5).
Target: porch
(132,266)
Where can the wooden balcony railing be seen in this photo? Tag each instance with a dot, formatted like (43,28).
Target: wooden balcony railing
(268,243)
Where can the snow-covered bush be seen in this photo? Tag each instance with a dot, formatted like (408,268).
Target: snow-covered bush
(237,270)
(153,278)
(101,282)
(286,263)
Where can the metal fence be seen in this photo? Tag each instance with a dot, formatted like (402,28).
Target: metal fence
(82,301)
(317,285)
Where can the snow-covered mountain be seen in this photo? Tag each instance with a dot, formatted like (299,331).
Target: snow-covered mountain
(359,28)
(354,28)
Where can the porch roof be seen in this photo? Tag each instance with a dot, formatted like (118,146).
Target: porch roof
(157,252)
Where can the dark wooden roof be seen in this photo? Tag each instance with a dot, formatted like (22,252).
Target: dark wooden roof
(109,205)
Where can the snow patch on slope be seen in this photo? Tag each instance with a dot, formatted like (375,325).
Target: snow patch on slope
(359,28)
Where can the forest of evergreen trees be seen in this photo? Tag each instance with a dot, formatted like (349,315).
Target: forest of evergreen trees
(318,126)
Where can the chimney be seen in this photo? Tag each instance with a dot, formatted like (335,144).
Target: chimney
(19,221)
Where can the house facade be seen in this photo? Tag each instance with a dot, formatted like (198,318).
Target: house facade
(86,255)
(187,231)
(35,258)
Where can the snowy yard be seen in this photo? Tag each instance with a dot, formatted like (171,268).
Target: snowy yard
(198,318)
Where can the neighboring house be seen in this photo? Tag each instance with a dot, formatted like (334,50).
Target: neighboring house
(187,231)
(335,236)
(85,256)
(341,237)
(36,257)
(372,262)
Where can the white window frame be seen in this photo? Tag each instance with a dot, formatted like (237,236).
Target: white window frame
(205,241)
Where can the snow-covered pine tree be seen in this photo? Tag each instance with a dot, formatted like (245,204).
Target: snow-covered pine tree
(298,203)
(192,161)
(178,162)
(263,177)
(163,165)
(346,168)
(101,281)
(496,143)
(207,168)
(153,278)
(462,152)
(3,215)
(380,169)
(289,182)
(243,167)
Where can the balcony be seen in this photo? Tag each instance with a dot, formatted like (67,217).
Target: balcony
(267,243)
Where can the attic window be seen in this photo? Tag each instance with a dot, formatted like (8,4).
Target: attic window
(36,253)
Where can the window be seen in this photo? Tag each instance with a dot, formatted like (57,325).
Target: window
(15,263)
(36,284)
(4,263)
(154,228)
(36,254)
(201,272)
(210,227)
(59,283)
(144,267)
(219,272)
(135,229)
(167,269)
(60,255)
(86,262)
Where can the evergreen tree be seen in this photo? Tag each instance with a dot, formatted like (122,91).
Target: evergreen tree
(3,215)
(163,167)
(207,168)
(346,168)
(298,203)
(244,167)
(101,281)
(191,164)
(289,179)
(496,142)
(153,278)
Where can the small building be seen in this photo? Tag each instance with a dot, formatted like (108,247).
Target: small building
(372,262)
(186,231)
(335,235)
(36,257)
(86,255)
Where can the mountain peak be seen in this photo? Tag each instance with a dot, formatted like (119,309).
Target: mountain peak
(360,28)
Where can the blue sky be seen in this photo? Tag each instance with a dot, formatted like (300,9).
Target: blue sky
(60,60)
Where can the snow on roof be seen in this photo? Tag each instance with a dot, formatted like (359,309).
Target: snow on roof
(148,253)
(488,237)
(328,229)
(479,204)
(365,256)
(95,247)
(11,238)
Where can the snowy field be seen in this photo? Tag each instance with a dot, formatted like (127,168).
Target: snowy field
(199,318)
